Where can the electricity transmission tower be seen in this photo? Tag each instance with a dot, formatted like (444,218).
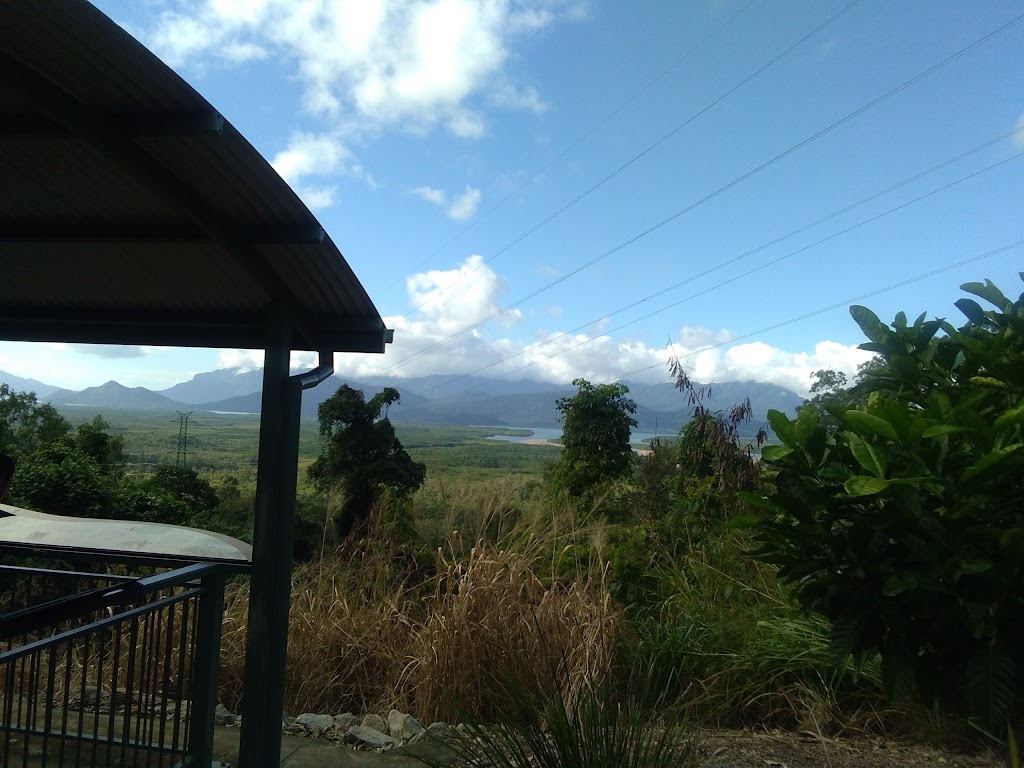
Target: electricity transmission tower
(182,459)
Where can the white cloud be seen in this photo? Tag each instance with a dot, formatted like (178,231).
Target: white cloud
(407,62)
(1018,138)
(244,360)
(431,195)
(450,300)
(112,351)
(513,97)
(309,154)
(466,124)
(316,198)
(758,361)
(464,206)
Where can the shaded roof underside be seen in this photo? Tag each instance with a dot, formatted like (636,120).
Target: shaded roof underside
(131,212)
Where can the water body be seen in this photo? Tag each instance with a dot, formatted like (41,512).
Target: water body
(555,433)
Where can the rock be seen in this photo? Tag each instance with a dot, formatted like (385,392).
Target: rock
(403,726)
(376,722)
(223,716)
(315,723)
(347,720)
(364,736)
(441,732)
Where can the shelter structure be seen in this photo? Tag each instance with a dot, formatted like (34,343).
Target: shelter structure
(132,212)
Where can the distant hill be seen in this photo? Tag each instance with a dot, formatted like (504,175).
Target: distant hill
(19,384)
(113,395)
(437,399)
(763,397)
(311,399)
(215,385)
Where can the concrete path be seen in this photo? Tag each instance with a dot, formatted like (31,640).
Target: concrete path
(304,752)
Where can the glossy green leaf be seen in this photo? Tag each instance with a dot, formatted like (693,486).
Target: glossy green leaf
(862,485)
(872,423)
(991,462)
(757,500)
(742,521)
(866,455)
(1011,418)
(899,583)
(782,426)
(868,321)
(944,429)
(775,452)
(989,381)
(972,310)
(990,293)
(806,423)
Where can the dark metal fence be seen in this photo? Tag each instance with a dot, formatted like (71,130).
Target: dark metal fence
(101,670)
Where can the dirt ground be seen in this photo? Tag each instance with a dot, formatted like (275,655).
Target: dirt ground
(777,749)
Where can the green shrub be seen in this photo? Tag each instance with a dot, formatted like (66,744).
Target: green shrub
(905,527)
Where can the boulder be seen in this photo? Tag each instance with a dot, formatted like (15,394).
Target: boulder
(346,720)
(441,732)
(223,716)
(371,738)
(403,726)
(315,723)
(376,722)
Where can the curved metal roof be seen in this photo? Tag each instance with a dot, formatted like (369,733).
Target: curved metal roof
(131,212)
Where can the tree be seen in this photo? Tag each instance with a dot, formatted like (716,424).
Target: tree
(597,423)
(360,454)
(25,425)
(830,393)
(107,450)
(905,525)
(60,479)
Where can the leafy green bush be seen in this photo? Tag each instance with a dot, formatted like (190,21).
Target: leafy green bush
(905,526)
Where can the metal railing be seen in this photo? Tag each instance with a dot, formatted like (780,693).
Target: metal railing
(109,670)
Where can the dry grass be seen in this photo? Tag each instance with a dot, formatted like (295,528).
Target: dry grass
(493,621)
(379,643)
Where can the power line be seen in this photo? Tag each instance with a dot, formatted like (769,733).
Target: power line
(830,307)
(692,206)
(744,255)
(597,126)
(635,158)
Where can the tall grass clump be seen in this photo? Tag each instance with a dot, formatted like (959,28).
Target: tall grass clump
(733,650)
(356,620)
(602,728)
(493,620)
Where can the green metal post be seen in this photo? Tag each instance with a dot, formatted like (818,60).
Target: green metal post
(270,592)
(210,616)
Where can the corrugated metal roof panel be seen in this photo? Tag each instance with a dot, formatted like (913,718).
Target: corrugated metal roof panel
(130,212)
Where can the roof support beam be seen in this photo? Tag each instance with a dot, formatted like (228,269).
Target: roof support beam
(147,126)
(133,231)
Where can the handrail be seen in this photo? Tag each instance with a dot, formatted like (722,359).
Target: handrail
(63,608)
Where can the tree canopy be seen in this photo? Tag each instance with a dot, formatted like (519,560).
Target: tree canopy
(597,423)
(360,455)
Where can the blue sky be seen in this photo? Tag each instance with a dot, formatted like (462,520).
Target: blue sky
(439,141)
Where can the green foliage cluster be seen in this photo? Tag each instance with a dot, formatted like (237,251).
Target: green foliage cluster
(596,424)
(904,525)
(360,455)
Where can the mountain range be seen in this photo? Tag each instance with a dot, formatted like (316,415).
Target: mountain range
(440,399)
